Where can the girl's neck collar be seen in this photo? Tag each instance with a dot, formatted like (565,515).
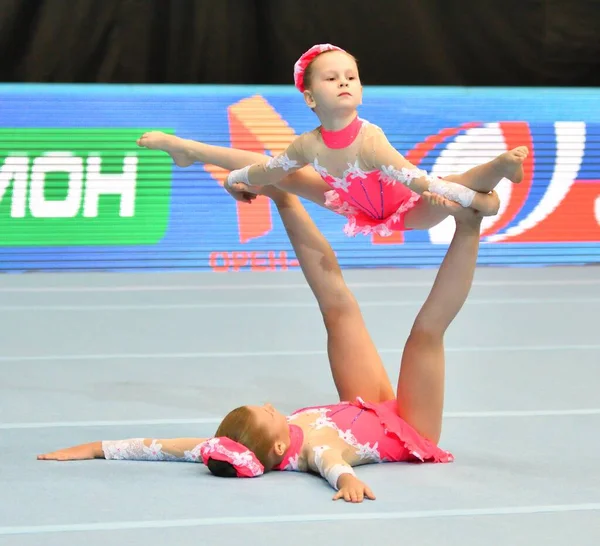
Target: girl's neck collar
(291,455)
(344,137)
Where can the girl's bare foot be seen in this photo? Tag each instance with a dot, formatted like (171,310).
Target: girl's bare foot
(173,145)
(510,163)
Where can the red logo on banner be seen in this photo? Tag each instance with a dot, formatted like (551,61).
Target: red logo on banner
(254,125)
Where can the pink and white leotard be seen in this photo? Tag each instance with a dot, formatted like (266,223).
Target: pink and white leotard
(372,201)
(366,432)
(369,178)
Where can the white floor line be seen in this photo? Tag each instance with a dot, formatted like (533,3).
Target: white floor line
(217,420)
(352,285)
(520,413)
(351,515)
(316,352)
(285,305)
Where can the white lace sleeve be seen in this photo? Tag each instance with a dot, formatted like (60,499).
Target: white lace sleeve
(194,455)
(146,449)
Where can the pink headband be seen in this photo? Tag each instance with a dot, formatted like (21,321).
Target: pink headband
(303,62)
(240,457)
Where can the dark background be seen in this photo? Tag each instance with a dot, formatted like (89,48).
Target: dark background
(397,42)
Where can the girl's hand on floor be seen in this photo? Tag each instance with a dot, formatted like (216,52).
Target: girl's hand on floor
(351,489)
(76,453)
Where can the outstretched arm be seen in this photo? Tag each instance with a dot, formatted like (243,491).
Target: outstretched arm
(272,171)
(330,463)
(134,449)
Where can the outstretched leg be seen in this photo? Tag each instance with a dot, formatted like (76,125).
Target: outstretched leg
(485,177)
(482,178)
(356,366)
(420,393)
(308,185)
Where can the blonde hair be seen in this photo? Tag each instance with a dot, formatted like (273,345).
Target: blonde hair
(240,426)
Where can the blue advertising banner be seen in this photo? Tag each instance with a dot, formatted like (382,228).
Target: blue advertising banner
(76,193)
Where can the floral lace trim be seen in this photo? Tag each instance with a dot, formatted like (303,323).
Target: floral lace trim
(423,452)
(135,450)
(282,162)
(334,202)
(332,473)
(391,175)
(353,171)
(195,455)
(292,465)
(245,459)
(366,451)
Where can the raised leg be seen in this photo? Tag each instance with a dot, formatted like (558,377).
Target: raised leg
(482,178)
(420,393)
(356,366)
(485,177)
(308,185)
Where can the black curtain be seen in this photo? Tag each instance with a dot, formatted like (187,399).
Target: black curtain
(397,42)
